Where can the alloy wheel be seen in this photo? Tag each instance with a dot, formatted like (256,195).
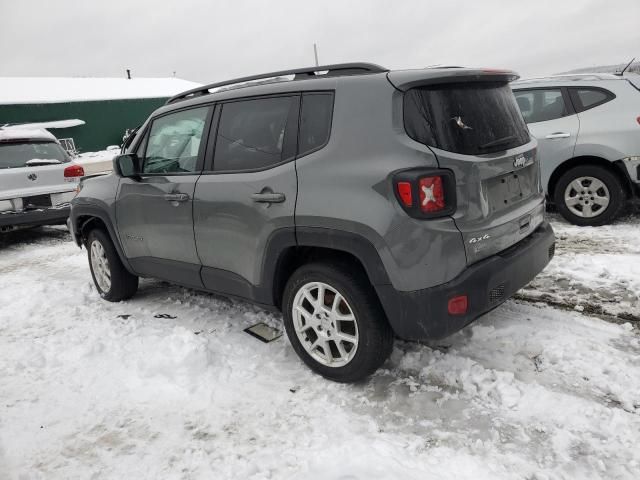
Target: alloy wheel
(100,266)
(325,324)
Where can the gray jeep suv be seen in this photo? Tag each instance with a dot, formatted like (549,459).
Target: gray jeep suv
(360,202)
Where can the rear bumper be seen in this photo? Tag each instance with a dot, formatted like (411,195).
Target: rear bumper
(423,314)
(41,216)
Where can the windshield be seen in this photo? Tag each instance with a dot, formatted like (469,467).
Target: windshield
(467,118)
(16,155)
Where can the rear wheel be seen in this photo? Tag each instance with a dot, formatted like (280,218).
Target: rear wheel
(589,195)
(111,278)
(335,323)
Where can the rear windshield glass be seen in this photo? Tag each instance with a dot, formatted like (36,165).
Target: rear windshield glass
(466,118)
(16,155)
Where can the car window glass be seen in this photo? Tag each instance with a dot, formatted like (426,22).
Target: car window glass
(174,142)
(251,133)
(470,118)
(16,155)
(541,105)
(315,121)
(586,98)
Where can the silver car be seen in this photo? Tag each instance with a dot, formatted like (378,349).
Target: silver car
(37,179)
(588,131)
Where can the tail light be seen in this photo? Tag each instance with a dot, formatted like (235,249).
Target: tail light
(73,171)
(404,192)
(431,194)
(426,193)
(638,120)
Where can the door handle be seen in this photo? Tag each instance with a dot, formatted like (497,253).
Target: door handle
(268,197)
(176,197)
(551,136)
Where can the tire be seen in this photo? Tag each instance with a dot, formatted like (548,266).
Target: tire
(122,284)
(349,361)
(574,182)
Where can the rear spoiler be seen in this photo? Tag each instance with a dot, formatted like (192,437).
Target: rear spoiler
(403,80)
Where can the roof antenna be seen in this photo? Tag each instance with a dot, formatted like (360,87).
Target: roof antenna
(315,53)
(128,74)
(625,68)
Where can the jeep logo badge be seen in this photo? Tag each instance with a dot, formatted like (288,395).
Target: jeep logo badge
(32,177)
(519,161)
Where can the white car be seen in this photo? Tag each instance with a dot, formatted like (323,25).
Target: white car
(588,132)
(37,179)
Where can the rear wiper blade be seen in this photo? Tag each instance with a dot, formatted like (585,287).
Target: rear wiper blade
(41,162)
(498,141)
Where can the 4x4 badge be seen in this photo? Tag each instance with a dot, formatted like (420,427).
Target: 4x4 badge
(32,177)
(486,236)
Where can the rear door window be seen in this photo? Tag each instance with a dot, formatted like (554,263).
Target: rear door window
(541,105)
(315,121)
(256,134)
(467,118)
(586,98)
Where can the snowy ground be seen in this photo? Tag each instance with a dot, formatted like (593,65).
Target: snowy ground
(528,392)
(596,270)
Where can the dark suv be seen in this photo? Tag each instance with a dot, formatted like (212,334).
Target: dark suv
(360,202)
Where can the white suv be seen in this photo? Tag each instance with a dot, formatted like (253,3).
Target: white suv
(588,131)
(37,179)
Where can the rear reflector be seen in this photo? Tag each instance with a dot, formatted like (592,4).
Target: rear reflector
(73,171)
(458,305)
(431,194)
(638,120)
(404,192)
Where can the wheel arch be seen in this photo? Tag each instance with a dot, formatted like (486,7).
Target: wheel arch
(86,217)
(614,167)
(320,244)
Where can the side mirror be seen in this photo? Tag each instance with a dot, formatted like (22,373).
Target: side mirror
(127,165)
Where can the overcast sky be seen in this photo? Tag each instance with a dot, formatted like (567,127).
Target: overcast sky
(216,39)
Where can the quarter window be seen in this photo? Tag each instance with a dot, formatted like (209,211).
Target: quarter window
(315,121)
(254,134)
(586,98)
(541,105)
(174,142)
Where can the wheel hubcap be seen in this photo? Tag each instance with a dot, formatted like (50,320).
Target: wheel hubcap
(325,324)
(100,266)
(587,197)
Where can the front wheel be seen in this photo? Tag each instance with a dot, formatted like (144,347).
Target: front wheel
(111,278)
(589,195)
(335,323)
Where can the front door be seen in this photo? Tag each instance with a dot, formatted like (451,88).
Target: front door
(552,120)
(248,193)
(155,212)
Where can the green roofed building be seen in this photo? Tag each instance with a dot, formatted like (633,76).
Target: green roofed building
(107,106)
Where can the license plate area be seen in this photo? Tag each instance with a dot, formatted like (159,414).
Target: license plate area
(36,201)
(509,189)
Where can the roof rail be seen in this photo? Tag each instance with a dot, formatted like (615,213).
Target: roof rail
(335,70)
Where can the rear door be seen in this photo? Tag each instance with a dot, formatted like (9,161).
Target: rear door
(476,130)
(155,212)
(248,191)
(552,120)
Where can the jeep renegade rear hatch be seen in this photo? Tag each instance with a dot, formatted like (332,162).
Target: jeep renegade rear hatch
(470,120)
